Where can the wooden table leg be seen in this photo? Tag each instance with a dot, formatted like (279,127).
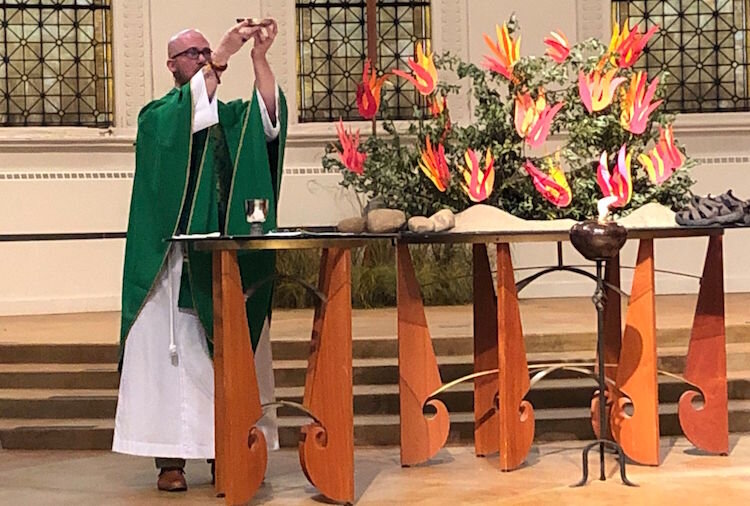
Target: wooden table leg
(241,453)
(421,436)
(485,355)
(516,415)
(708,427)
(638,434)
(326,449)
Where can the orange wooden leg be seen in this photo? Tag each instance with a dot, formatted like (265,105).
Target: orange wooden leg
(612,334)
(708,427)
(638,434)
(326,450)
(516,415)
(485,355)
(241,454)
(421,436)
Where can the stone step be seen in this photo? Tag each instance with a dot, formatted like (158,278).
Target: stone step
(369,430)
(551,425)
(368,398)
(384,370)
(446,342)
(450,345)
(547,394)
(56,376)
(58,434)
(58,403)
(59,353)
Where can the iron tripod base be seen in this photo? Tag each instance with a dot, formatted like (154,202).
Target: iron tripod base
(598,300)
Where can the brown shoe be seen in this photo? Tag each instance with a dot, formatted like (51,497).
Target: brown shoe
(172,480)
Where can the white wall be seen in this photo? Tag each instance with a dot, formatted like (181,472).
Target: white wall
(77,180)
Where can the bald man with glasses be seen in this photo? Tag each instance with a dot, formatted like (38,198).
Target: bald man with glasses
(197,160)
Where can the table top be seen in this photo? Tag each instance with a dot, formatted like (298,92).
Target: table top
(307,239)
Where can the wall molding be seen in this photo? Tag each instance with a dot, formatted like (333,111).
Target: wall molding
(66,175)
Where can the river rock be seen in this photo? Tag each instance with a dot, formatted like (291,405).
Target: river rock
(385,220)
(443,220)
(355,225)
(421,224)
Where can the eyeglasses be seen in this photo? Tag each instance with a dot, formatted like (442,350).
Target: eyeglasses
(193,53)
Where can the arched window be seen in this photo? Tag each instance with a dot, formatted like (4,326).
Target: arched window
(704,44)
(332,45)
(55,63)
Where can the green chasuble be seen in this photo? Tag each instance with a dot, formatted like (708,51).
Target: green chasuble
(198,184)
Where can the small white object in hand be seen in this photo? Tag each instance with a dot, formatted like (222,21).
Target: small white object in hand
(603,206)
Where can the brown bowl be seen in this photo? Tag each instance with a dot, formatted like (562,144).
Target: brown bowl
(598,240)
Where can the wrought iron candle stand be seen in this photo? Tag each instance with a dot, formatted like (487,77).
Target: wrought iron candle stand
(600,241)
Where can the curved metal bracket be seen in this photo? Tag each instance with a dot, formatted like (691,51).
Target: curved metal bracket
(544,370)
(252,289)
(294,405)
(523,283)
(451,384)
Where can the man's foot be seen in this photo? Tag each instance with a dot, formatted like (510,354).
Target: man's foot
(172,479)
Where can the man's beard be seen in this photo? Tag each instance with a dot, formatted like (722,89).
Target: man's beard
(182,78)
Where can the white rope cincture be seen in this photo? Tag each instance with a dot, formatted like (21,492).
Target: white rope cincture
(172,345)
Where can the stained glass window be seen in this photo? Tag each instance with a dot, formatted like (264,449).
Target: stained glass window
(332,48)
(55,63)
(703,44)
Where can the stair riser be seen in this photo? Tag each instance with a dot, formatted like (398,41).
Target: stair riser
(388,374)
(364,404)
(58,408)
(375,435)
(59,354)
(70,380)
(540,398)
(388,348)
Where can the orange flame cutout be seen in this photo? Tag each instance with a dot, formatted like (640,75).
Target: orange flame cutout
(425,73)
(628,45)
(597,90)
(619,184)
(351,157)
(368,92)
(479,182)
(437,105)
(636,103)
(558,47)
(534,119)
(553,186)
(664,158)
(435,166)
(507,52)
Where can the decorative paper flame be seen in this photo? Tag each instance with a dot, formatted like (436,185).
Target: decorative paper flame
(553,186)
(619,184)
(597,90)
(533,119)
(636,103)
(626,46)
(479,182)
(558,47)
(425,73)
(435,166)
(351,157)
(368,91)
(663,159)
(437,105)
(507,52)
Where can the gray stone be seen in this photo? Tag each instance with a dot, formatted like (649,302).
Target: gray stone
(354,225)
(443,220)
(421,224)
(385,220)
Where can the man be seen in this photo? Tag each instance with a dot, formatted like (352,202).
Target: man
(197,161)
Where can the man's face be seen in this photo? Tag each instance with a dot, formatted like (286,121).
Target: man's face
(187,53)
